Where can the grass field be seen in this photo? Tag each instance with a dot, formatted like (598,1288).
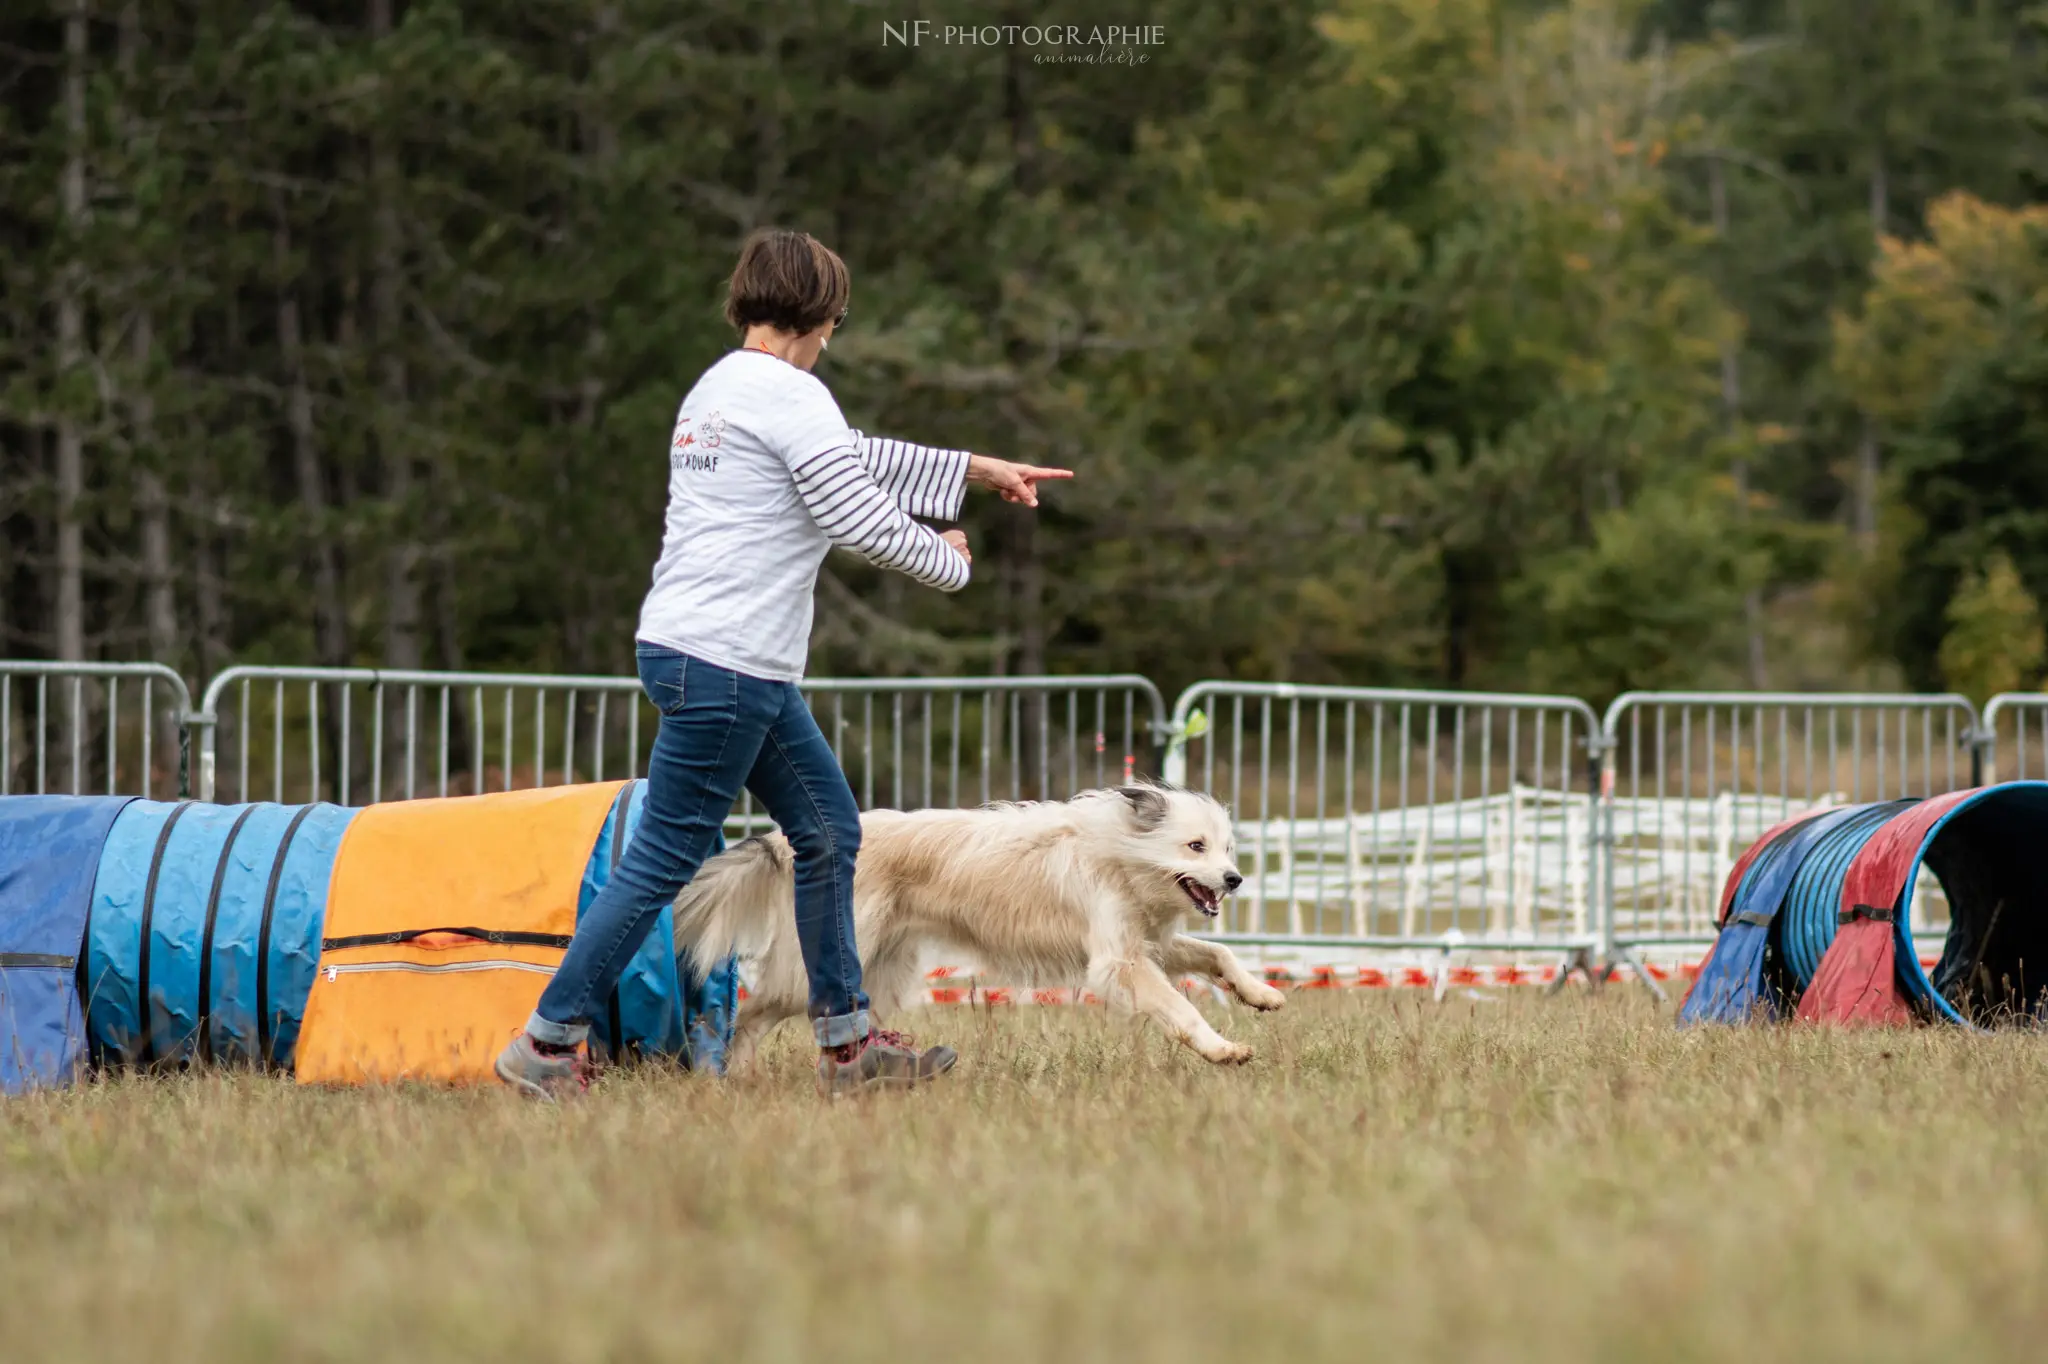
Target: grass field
(1391,1179)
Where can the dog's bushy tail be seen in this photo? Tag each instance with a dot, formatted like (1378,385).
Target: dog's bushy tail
(736,901)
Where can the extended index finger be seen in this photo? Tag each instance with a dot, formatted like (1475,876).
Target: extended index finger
(1035,473)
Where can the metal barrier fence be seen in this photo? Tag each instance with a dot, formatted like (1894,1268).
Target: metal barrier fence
(366,735)
(74,728)
(2015,734)
(1378,818)
(1365,818)
(1691,779)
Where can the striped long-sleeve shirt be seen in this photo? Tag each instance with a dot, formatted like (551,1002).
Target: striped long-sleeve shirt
(924,481)
(765,477)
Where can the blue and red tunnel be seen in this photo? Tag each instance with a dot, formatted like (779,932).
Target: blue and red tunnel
(1816,917)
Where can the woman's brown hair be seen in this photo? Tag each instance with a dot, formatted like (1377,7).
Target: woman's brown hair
(787,280)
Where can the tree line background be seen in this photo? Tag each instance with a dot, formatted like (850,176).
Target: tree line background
(1570,346)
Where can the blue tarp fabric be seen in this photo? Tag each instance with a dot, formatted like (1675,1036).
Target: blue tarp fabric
(658,1009)
(1731,976)
(49,852)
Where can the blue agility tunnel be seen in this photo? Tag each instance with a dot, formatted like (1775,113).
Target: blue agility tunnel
(1823,915)
(49,853)
(205,930)
(1772,940)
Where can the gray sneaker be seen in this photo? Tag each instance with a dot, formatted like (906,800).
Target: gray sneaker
(547,1076)
(884,1060)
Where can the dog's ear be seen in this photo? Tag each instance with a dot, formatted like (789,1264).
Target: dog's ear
(1148,805)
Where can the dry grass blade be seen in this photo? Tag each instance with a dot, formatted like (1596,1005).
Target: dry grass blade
(1527,1180)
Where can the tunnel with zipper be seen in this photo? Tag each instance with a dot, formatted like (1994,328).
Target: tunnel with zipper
(445,919)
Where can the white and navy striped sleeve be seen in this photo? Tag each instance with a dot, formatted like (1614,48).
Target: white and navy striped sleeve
(842,496)
(924,481)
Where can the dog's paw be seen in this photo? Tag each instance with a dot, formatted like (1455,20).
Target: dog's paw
(1262,997)
(1228,1054)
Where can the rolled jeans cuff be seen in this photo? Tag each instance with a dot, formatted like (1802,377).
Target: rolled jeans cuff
(556,1034)
(841,1029)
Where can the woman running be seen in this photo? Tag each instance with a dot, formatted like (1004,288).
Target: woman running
(764,478)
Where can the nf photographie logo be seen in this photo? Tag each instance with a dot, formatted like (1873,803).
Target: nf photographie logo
(1051,44)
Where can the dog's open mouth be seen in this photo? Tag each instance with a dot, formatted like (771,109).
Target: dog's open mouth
(1205,899)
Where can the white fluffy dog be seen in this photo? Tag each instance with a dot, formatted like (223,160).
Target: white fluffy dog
(1090,890)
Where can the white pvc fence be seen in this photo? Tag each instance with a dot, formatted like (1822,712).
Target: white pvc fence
(1671,855)
(1430,865)
(1512,867)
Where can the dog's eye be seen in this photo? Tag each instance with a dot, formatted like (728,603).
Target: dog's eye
(1197,846)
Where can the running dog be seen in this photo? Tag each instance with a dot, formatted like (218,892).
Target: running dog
(1085,891)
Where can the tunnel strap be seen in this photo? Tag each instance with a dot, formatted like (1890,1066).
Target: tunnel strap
(284,848)
(1870,912)
(220,876)
(501,937)
(23,961)
(1756,918)
(156,866)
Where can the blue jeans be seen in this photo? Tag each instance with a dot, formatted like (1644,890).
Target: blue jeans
(720,731)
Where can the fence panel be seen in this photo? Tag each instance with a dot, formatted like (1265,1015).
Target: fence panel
(1396,818)
(93,728)
(1375,817)
(1693,778)
(2016,737)
(358,736)
(910,743)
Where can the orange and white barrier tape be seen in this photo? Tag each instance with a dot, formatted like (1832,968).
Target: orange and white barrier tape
(960,985)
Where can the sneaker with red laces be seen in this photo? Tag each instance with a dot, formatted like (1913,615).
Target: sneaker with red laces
(543,1073)
(881,1060)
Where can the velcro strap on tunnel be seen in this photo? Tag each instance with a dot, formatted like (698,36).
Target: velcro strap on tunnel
(54,961)
(1886,915)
